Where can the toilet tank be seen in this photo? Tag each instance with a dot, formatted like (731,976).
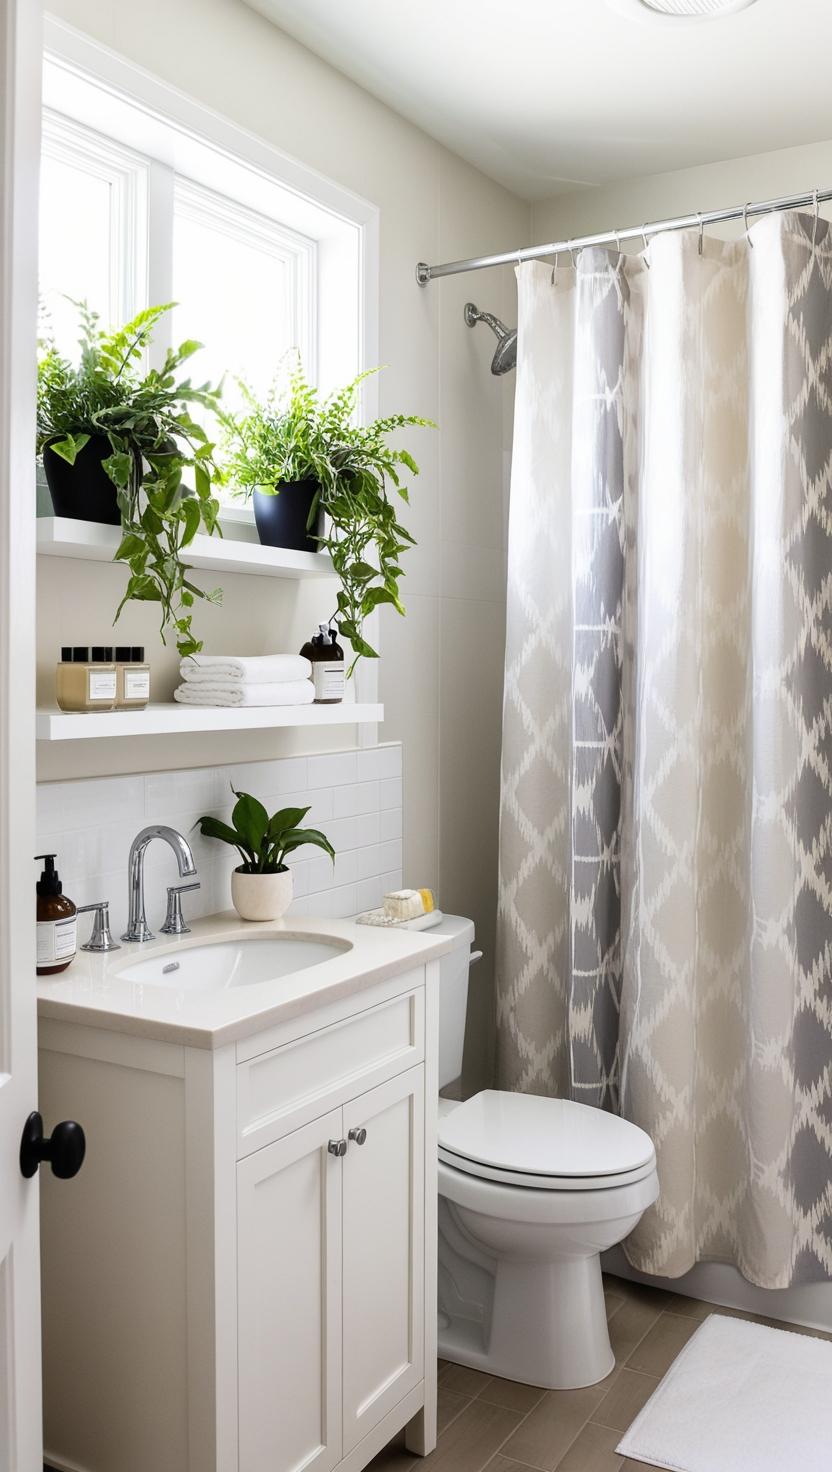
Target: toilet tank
(453,994)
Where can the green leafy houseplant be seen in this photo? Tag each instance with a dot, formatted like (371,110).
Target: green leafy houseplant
(295,435)
(263,842)
(145,417)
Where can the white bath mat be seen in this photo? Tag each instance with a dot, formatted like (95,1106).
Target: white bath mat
(740,1398)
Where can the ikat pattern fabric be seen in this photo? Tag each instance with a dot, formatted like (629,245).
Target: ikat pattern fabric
(665,926)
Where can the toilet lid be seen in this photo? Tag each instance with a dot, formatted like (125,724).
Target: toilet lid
(531,1140)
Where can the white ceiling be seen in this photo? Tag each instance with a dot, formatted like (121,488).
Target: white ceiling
(549,96)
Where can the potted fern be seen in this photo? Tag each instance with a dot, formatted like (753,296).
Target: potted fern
(117,441)
(321,481)
(261,885)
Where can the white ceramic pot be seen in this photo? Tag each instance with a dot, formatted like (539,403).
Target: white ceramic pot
(261,896)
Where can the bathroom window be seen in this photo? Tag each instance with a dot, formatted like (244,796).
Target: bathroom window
(146,197)
(93,228)
(119,230)
(242,286)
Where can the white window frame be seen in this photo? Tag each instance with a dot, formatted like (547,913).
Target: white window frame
(128,175)
(296,252)
(181,144)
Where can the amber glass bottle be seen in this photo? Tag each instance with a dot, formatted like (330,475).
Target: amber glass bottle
(56,922)
(328,673)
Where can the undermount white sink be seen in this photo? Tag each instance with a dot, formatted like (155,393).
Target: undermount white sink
(222,964)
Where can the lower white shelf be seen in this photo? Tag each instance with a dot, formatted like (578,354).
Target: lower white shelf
(161,720)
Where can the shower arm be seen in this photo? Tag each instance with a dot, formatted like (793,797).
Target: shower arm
(473,315)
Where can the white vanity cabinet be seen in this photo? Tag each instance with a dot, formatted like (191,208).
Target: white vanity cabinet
(347,1275)
(243,1277)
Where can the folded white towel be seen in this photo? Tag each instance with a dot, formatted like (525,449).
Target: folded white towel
(287,692)
(255,669)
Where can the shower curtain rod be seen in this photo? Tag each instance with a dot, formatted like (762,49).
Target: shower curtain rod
(813,197)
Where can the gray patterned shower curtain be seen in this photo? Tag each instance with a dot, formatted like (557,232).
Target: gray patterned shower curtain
(665,921)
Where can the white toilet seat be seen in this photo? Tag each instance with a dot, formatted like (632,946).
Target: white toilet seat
(512,1203)
(543,1144)
(536,1182)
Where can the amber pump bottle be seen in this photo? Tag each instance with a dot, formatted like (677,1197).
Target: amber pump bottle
(56,921)
(328,671)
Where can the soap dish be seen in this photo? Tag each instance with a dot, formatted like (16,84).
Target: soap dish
(419,922)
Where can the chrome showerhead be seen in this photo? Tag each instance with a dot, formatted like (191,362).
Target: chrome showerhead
(505,353)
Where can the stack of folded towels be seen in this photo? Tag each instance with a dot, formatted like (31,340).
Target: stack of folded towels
(263,679)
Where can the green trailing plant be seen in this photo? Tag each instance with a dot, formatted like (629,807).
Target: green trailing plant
(262,841)
(296,435)
(145,414)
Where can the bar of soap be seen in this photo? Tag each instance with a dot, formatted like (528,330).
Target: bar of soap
(406,904)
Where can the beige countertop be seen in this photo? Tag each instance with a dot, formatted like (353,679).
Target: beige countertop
(93,991)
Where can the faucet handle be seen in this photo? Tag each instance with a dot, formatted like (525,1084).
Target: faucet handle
(174,921)
(100,937)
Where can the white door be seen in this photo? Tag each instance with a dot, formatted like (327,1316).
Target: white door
(383,1254)
(289,1302)
(20,68)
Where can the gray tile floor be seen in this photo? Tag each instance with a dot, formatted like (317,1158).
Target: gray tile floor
(491,1425)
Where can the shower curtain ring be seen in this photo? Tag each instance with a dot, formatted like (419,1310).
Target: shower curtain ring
(571,250)
(745,222)
(701,231)
(816,202)
(646,255)
(555,262)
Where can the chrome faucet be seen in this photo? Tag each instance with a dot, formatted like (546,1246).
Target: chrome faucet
(137,926)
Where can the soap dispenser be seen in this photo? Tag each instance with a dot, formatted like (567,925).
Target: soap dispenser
(57,927)
(327,659)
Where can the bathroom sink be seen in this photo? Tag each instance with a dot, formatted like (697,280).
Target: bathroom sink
(221,964)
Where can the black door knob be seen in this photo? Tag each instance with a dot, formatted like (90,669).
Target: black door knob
(65,1149)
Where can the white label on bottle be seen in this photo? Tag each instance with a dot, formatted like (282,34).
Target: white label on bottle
(137,684)
(101,684)
(56,940)
(329,680)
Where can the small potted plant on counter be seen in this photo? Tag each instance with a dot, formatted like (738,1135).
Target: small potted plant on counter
(261,886)
(303,458)
(117,440)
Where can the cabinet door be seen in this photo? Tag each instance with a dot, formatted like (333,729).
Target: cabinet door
(383,1252)
(289,1302)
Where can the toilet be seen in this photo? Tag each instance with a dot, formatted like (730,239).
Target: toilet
(531,1191)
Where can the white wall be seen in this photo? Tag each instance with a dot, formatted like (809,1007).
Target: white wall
(709,187)
(442,667)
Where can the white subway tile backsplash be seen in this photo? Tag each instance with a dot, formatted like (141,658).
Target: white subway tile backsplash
(358,797)
(390,793)
(266,779)
(179,792)
(380,762)
(354,796)
(390,824)
(333,770)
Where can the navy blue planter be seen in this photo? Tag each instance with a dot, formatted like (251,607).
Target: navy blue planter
(281,518)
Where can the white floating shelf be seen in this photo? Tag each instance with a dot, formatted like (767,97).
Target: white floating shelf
(162,720)
(90,541)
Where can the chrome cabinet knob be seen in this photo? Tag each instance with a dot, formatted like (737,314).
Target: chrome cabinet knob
(358,1135)
(337,1147)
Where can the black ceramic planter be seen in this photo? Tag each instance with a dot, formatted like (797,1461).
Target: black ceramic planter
(83,491)
(281,518)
